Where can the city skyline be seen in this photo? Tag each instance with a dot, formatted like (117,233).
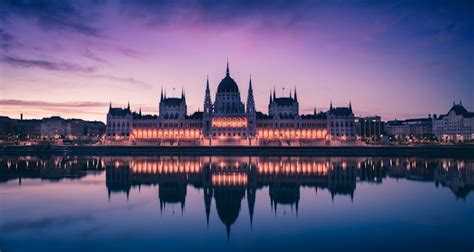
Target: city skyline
(400,60)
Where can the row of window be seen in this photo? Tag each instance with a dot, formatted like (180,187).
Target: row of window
(229,134)
(118,124)
(342,124)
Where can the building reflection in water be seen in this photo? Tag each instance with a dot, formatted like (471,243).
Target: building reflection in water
(228,180)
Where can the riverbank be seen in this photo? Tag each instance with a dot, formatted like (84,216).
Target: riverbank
(439,151)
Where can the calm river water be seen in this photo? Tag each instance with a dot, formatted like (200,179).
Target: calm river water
(169,203)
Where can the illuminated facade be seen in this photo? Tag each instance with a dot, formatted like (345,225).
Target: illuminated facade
(224,121)
(457,125)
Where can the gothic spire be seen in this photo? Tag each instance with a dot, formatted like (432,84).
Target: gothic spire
(271,97)
(161,97)
(250,99)
(207,98)
(274,93)
(330,106)
(296,97)
(128,106)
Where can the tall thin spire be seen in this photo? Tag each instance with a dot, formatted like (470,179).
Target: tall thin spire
(227,73)
(250,99)
(330,105)
(271,100)
(296,97)
(274,93)
(161,97)
(207,98)
(128,106)
(110,105)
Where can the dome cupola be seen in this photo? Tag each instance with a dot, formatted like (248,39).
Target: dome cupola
(227,85)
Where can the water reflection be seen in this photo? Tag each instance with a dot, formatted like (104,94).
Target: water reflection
(229,180)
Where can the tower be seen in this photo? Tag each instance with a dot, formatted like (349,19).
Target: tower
(207,113)
(251,113)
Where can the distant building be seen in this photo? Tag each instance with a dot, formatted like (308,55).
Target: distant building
(53,127)
(418,128)
(341,123)
(27,129)
(50,128)
(456,125)
(371,127)
(5,126)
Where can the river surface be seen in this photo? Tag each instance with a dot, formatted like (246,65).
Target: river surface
(203,203)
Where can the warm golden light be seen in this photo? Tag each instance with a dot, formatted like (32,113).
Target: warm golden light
(269,134)
(229,122)
(166,133)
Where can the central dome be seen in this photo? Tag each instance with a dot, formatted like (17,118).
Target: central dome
(227,84)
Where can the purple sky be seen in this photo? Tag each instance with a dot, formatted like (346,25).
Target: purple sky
(396,59)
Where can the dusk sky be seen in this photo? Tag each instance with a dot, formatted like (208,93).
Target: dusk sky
(397,59)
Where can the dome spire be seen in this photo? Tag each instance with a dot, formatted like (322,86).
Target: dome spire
(227,73)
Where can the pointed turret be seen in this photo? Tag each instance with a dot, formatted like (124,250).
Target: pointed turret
(271,100)
(207,98)
(330,105)
(161,97)
(350,105)
(128,106)
(250,98)
(295,96)
(291,95)
(227,72)
(140,111)
(183,96)
(274,93)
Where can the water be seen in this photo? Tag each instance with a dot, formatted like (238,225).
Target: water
(236,203)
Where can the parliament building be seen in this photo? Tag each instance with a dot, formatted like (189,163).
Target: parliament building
(228,121)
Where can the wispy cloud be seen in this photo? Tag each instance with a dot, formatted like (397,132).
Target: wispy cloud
(45,64)
(90,55)
(76,104)
(61,15)
(7,40)
(129,80)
